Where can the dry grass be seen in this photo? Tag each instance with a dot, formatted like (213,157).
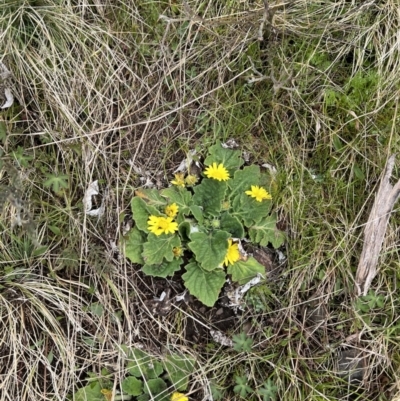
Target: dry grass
(105,87)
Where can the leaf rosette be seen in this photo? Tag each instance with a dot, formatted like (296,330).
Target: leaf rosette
(201,226)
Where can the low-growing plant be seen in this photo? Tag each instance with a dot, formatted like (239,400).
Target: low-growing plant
(267,391)
(201,225)
(149,378)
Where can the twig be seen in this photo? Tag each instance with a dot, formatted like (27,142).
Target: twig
(375,229)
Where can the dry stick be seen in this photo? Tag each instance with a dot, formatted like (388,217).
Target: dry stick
(375,229)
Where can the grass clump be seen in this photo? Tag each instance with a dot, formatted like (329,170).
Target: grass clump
(120,92)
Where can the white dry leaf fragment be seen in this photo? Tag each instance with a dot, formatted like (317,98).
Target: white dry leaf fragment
(187,162)
(237,295)
(230,144)
(242,252)
(9,98)
(148,183)
(97,212)
(126,227)
(221,338)
(270,167)
(162,297)
(246,156)
(240,291)
(281,256)
(92,189)
(181,297)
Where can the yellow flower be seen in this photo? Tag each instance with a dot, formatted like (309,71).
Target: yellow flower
(232,254)
(177,251)
(179,180)
(179,397)
(218,172)
(259,193)
(108,394)
(172,210)
(191,179)
(159,225)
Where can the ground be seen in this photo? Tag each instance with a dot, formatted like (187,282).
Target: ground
(120,92)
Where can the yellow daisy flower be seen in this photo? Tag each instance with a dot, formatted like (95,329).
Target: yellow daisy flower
(217,172)
(232,254)
(160,225)
(179,180)
(178,397)
(172,210)
(259,193)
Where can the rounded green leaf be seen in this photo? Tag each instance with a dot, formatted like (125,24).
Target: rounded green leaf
(209,195)
(209,249)
(144,365)
(204,285)
(159,248)
(133,245)
(249,210)
(243,271)
(265,231)
(157,389)
(181,196)
(243,180)
(141,212)
(132,386)
(164,269)
(232,225)
(231,159)
(151,196)
(179,368)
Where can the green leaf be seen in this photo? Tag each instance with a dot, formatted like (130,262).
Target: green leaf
(141,212)
(132,386)
(40,251)
(181,196)
(91,392)
(184,229)
(268,391)
(242,343)
(243,180)
(3,131)
(133,246)
(232,225)
(54,229)
(209,195)
(265,231)
(159,247)
(164,269)
(243,271)
(249,210)
(157,389)
(151,197)
(209,249)
(96,308)
(231,159)
(179,368)
(56,182)
(241,387)
(204,285)
(143,365)
(197,213)
(24,160)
